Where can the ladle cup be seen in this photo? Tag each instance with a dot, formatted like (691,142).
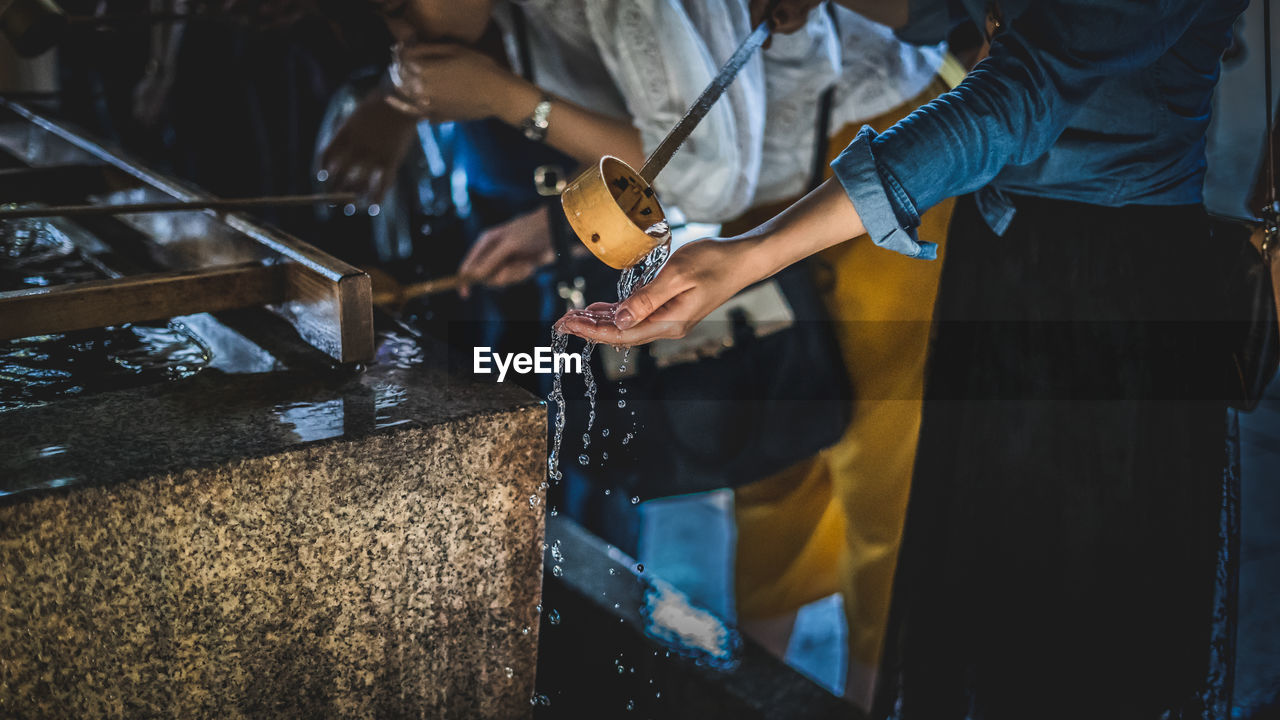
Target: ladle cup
(609,207)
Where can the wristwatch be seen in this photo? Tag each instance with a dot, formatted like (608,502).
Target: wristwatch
(535,126)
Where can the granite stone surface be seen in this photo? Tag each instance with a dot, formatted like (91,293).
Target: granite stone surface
(287,544)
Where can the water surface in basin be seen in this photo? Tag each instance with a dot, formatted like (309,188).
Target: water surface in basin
(39,369)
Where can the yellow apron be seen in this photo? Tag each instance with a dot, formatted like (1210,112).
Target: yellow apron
(833,522)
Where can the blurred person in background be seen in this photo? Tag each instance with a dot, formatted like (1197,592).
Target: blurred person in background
(606,78)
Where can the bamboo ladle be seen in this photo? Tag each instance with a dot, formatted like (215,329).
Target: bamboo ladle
(611,206)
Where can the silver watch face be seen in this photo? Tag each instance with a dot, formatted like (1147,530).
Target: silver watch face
(535,126)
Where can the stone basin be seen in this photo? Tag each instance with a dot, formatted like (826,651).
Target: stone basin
(279,537)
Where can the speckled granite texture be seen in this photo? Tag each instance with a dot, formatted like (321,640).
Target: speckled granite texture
(386,566)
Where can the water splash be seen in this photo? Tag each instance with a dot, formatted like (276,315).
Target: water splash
(633,277)
(559,344)
(592,389)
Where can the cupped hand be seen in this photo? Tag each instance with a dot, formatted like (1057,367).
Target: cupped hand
(508,253)
(367,150)
(699,277)
(448,82)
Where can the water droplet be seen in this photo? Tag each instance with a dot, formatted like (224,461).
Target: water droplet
(583,459)
(509,672)
(639,567)
(534,500)
(524,631)
(635,499)
(557,571)
(607,491)
(322,175)
(622,391)
(554,512)
(627,438)
(617,606)
(586,439)
(613,571)
(621,670)
(553,617)
(631,705)
(538,607)
(604,455)
(604,432)
(622,403)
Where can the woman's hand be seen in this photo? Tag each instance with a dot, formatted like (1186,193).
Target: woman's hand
(367,150)
(699,277)
(508,253)
(702,275)
(453,82)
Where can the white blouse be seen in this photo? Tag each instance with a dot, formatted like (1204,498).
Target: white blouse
(648,60)
(873,73)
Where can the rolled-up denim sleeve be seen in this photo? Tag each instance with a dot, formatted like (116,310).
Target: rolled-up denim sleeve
(1009,111)
(887,213)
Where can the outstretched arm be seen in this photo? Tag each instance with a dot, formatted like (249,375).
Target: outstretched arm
(702,275)
(1010,110)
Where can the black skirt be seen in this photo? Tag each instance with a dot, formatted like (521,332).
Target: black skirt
(1065,535)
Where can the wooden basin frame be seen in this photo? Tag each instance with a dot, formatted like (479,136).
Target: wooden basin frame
(326,300)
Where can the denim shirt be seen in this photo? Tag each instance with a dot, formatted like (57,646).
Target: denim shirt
(1097,101)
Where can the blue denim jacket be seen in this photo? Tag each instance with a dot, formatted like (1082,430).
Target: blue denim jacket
(1098,101)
